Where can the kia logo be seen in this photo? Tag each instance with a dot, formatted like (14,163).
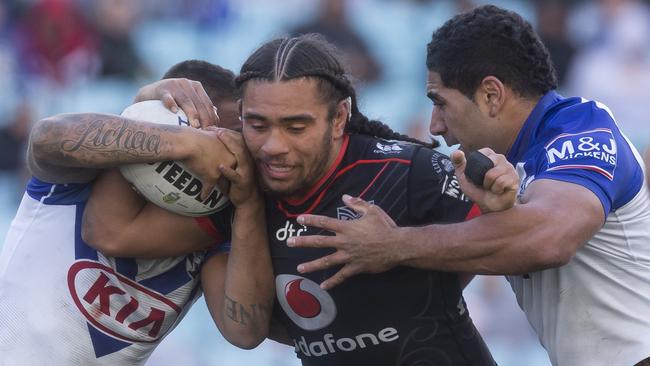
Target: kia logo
(118,306)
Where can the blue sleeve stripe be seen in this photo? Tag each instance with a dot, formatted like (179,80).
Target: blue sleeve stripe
(587,167)
(127,267)
(58,194)
(169,281)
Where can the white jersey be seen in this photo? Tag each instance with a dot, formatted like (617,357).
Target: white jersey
(595,310)
(64,303)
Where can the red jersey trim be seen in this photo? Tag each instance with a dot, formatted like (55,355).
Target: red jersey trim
(344,148)
(373,180)
(341,172)
(475,211)
(208,227)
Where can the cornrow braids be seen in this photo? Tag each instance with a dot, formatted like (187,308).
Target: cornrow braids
(311,56)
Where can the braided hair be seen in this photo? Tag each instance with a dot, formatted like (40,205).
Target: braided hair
(311,56)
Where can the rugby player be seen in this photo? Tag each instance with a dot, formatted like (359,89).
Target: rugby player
(576,249)
(311,144)
(63,302)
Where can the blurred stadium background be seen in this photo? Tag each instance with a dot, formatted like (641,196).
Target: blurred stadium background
(92,55)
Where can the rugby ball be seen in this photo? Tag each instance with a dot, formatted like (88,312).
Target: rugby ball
(169,184)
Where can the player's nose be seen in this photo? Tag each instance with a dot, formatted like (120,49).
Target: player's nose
(437,126)
(275,144)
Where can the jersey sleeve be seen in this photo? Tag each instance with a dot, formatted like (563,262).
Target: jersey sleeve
(434,191)
(58,194)
(598,158)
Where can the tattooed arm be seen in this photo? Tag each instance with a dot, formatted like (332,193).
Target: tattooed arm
(72,148)
(238,286)
(239,290)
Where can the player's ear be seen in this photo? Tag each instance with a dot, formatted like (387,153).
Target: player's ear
(490,95)
(239,108)
(342,116)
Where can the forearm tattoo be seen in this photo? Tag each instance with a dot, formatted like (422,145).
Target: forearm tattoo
(99,141)
(253,315)
(99,135)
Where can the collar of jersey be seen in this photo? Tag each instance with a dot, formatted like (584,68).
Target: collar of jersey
(533,120)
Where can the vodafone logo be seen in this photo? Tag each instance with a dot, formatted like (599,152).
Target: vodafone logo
(312,308)
(306,304)
(118,306)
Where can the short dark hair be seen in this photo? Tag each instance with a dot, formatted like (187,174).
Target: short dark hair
(488,40)
(311,56)
(219,83)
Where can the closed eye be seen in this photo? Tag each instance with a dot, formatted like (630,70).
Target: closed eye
(296,129)
(255,125)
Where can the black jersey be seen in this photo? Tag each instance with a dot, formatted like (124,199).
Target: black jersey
(405,316)
(219,226)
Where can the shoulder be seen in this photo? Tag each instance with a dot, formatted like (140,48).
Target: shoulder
(580,129)
(582,143)
(575,116)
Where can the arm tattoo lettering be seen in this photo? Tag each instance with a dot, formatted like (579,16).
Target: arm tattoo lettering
(105,137)
(249,315)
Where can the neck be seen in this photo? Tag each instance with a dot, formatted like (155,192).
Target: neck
(514,119)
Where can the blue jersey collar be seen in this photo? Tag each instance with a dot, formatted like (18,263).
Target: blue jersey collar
(532,122)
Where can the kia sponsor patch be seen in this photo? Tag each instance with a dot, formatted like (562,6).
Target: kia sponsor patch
(118,306)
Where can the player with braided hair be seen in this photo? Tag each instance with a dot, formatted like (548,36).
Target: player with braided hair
(334,84)
(576,248)
(296,106)
(312,145)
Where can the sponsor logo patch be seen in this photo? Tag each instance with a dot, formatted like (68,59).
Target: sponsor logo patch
(118,306)
(312,308)
(345,213)
(289,230)
(591,150)
(387,148)
(304,302)
(441,164)
(451,188)
(329,344)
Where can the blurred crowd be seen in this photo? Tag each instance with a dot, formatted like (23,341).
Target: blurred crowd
(92,55)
